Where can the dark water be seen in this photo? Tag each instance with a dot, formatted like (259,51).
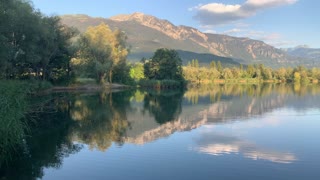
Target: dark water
(217,132)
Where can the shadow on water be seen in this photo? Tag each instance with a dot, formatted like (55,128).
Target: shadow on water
(65,122)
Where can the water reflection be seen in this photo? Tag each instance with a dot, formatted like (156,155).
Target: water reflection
(46,145)
(164,106)
(220,144)
(70,121)
(100,122)
(233,102)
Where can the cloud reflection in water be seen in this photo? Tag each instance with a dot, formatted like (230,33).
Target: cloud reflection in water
(221,144)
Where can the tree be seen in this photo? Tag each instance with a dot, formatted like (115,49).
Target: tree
(219,67)
(101,50)
(213,65)
(136,71)
(196,63)
(55,52)
(236,72)
(227,73)
(266,73)
(250,71)
(315,73)
(281,74)
(32,45)
(296,77)
(165,64)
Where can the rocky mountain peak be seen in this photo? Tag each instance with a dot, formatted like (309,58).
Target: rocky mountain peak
(137,16)
(166,27)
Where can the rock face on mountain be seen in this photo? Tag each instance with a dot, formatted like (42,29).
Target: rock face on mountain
(147,33)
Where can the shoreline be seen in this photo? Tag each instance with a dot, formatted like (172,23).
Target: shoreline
(113,86)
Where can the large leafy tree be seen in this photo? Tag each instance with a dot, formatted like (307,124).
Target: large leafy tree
(165,64)
(31,44)
(101,50)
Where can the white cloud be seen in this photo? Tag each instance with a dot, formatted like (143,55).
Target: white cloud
(211,31)
(217,13)
(241,25)
(233,31)
(195,7)
(220,8)
(268,3)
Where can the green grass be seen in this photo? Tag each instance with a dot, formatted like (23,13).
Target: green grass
(13,105)
(84,81)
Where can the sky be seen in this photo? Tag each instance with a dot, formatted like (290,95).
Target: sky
(281,23)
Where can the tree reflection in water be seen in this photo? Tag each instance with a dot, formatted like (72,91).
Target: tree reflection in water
(101,119)
(68,121)
(164,106)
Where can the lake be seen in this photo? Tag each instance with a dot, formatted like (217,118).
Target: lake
(212,132)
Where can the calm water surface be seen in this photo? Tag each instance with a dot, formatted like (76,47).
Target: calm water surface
(214,132)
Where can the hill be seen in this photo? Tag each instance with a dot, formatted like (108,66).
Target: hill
(147,33)
(305,52)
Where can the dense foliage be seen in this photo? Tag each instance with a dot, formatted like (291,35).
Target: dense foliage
(163,70)
(101,52)
(32,45)
(165,64)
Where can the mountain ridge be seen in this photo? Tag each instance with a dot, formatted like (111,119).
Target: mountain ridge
(147,33)
(304,51)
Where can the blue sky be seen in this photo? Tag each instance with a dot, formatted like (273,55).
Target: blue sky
(282,23)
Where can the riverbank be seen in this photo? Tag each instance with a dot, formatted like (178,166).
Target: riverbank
(89,87)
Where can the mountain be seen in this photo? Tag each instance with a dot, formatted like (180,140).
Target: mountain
(305,52)
(147,33)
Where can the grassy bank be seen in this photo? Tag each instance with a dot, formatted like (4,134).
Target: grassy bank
(14,104)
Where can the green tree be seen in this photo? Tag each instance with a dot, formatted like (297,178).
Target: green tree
(236,72)
(101,50)
(315,73)
(281,74)
(250,71)
(165,64)
(297,77)
(213,65)
(196,63)
(227,73)
(32,45)
(136,71)
(219,66)
(266,73)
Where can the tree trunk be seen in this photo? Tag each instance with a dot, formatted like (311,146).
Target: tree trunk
(110,76)
(102,77)
(44,73)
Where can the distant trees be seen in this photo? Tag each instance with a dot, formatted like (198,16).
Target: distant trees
(252,73)
(100,51)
